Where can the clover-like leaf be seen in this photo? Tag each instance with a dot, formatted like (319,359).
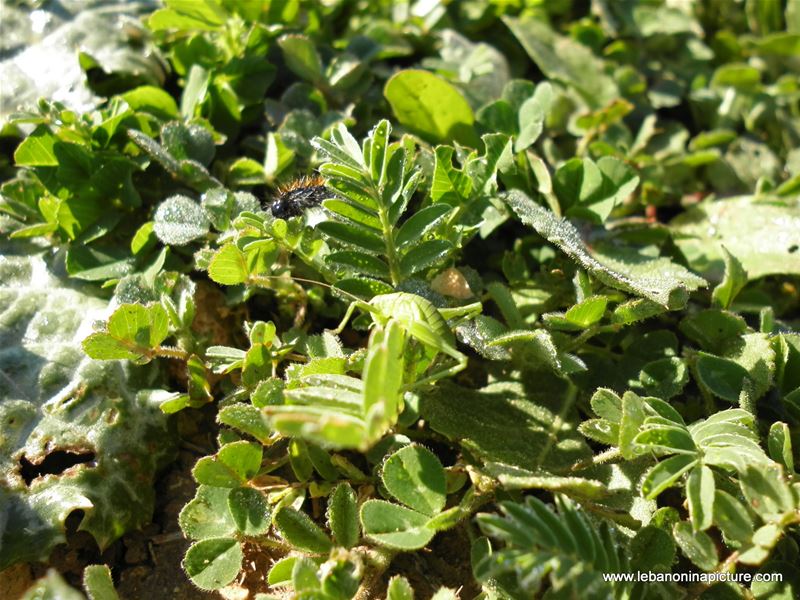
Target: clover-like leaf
(179,220)
(213,563)
(414,476)
(301,532)
(764,237)
(133,332)
(343,516)
(430,107)
(395,526)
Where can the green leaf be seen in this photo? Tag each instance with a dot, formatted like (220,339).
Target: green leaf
(355,214)
(37,150)
(423,256)
(666,473)
(212,472)
(54,399)
(281,571)
(713,329)
(665,377)
(363,287)
(249,510)
(414,476)
(132,332)
(395,526)
(766,490)
(504,300)
(243,457)
(213,563)
(256,366)
(506,423)
(731,516)
(304,575)
(779,444)
(399,589)
(245,172)
(228,266)
(762,236)
(323,464)
(383,377)
(144,239)
(153,100)
(592,190)
(203,15)
(299,460)
(605,403)
(588,312)
(93,264)
(343,516)
(633,415)
(635,310)
(351,235)
(207,515)
(764,540)
(700,490)
(652,549)
(739,76)
(301,57)
(98,583)
(195,90)
(564,60)
(420,223)
(247,419)
(342,580)
(666,438)
(179,220)
(301,532)
(430,107)
(657,279)
(732,283)
(359,262)
(450,185)
(697,546)
(536,536)
(722,377)
(532,115)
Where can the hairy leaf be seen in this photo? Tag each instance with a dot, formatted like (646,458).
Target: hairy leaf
(657,279)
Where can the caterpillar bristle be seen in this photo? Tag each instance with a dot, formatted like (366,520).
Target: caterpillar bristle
(293,198)
(306,181)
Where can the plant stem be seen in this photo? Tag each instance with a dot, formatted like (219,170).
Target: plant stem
(376,560)
(597,459)
(388,240)
(170,352)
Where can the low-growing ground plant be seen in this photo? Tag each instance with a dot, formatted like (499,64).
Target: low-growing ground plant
(472,300)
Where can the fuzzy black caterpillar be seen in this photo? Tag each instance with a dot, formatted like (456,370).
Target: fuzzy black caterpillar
(294,198)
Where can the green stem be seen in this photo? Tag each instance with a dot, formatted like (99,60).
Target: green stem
(589,334)
(170,352)
(386,229)
(391,250)
(597,459)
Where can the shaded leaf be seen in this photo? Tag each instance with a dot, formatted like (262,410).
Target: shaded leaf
(657,279)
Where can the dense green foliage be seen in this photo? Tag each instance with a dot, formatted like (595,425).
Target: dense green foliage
(551,305)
